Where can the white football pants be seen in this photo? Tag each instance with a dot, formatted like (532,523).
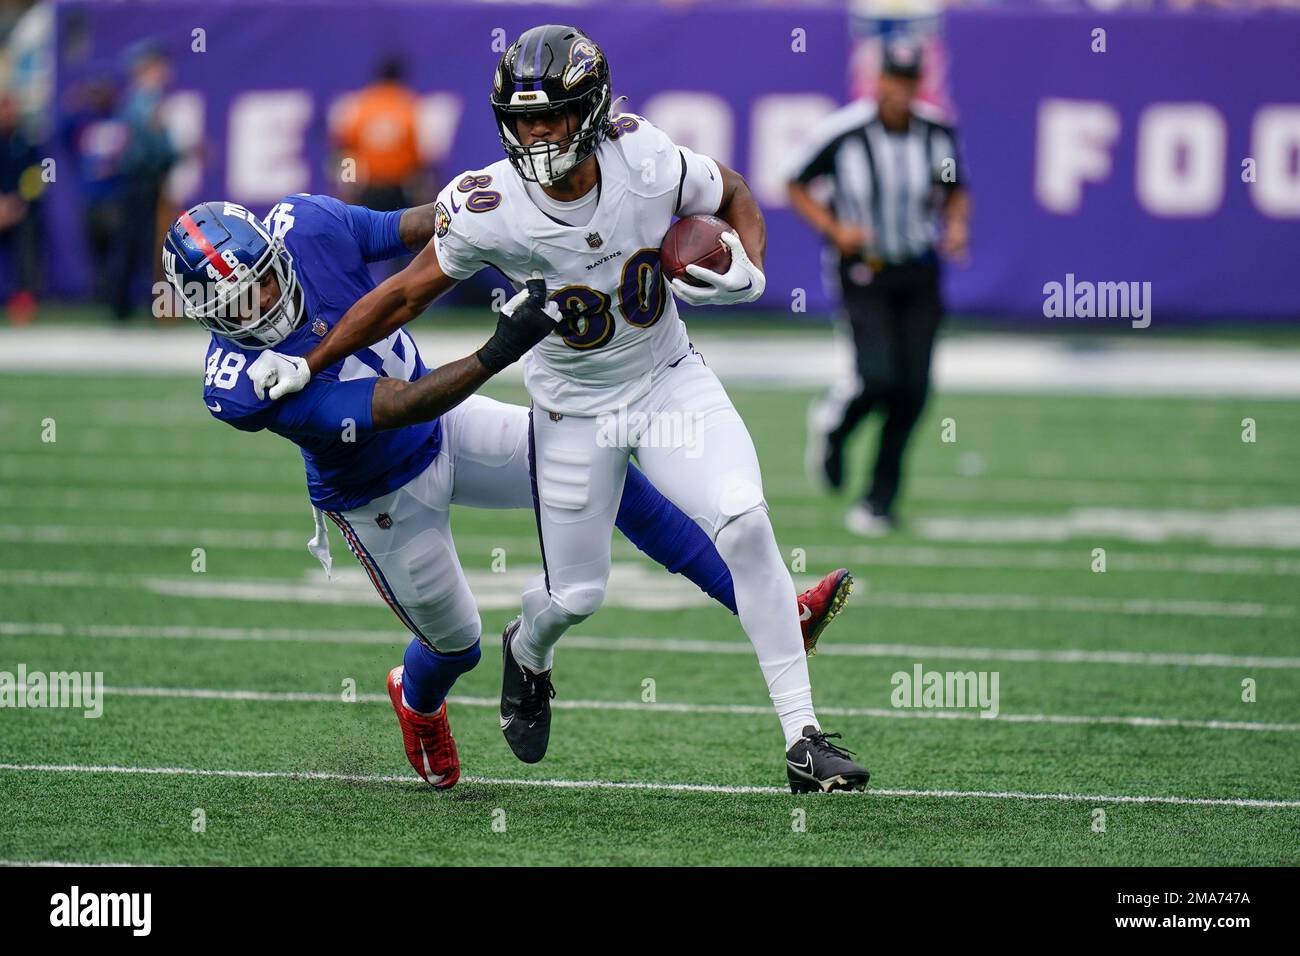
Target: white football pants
(692,445)
(403,539)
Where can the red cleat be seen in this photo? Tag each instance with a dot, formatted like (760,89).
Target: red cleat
(21,307)
(820,603)
(429,744)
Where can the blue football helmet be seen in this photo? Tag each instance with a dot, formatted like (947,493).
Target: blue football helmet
(219,257)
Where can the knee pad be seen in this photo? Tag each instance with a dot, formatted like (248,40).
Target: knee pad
(579,602)
(750,532)
(453,641)
(739,496)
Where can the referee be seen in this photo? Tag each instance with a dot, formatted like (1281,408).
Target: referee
(894,176)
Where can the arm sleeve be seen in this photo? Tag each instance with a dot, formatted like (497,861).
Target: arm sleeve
(377,233)
(699,190)
(326,410)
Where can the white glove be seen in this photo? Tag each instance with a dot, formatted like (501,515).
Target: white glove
(281,374)
(743,282)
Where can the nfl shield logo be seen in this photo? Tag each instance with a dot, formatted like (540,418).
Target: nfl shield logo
(594,240)
(319,327)
(383,520)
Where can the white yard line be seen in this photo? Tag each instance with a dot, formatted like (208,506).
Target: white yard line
(116,480)
(202,462)
(110,501)
(27,493)
(641,589)
(611,706)
(245,538)
(986,362)
(63,863)
(651,786)
(632,585)
(131,472)
(1065,559)
(1084,605)
(831,647)
(996,558)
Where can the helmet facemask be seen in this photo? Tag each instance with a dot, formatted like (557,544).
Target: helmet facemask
(232,306)
(546,163)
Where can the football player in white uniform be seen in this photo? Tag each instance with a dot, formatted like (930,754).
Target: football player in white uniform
(585,197)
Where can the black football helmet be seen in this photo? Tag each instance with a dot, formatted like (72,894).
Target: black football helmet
(551,68)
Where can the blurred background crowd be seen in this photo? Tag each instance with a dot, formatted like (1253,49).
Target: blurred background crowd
(913,159)
(116,115)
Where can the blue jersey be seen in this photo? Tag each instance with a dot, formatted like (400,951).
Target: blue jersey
(348,463)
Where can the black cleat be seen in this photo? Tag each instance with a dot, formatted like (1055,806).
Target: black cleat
(816,764)
(525,703)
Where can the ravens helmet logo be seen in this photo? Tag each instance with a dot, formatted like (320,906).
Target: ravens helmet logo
(584,57)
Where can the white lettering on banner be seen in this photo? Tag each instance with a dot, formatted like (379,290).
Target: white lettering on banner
(780,126)
(698,121)
(182,114)
(1075,138)
(266,136)
(1180,158)
(1275,144)
(264,147)
(437,117)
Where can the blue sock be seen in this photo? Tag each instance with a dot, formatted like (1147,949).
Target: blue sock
(427,674)
(663,532)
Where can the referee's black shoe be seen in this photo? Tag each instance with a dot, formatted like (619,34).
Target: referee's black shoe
(815,764)
(525,702)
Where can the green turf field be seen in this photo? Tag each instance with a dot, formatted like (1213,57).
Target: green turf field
(1119,691)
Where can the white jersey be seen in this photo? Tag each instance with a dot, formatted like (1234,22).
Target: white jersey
(604,274)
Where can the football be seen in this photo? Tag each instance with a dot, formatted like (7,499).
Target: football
(695,240)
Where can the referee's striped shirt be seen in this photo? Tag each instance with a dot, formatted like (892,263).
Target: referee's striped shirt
(890,183)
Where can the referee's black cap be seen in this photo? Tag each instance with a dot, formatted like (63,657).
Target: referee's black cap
(902,57)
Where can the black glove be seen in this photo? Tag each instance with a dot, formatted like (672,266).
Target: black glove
(520,326)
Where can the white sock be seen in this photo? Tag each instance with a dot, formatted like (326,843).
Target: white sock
(534,645)
(769,614)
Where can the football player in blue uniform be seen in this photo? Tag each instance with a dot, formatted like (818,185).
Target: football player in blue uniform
(387,443)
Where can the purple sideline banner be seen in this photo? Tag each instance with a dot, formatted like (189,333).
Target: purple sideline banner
(1125,165)
(1128,164)
(259,96)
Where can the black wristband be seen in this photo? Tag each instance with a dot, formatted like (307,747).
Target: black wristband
(493,357)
